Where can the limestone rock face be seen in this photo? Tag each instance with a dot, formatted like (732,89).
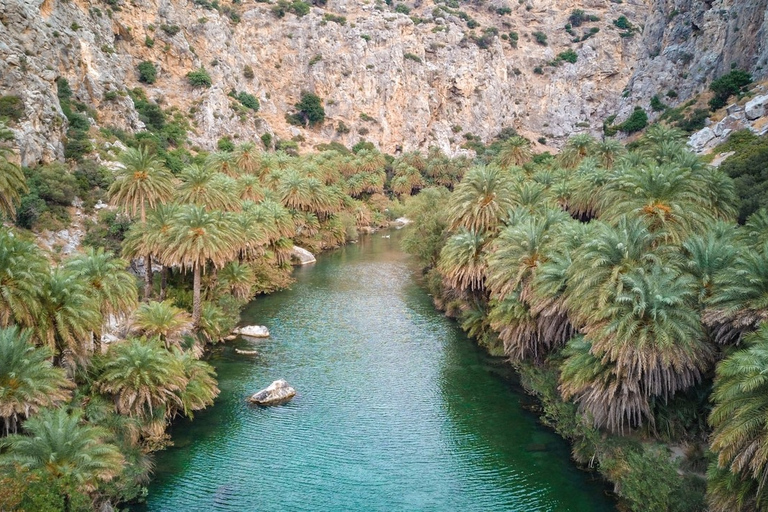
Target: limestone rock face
(252,331)
(402,81)
(279,392)
(756,107)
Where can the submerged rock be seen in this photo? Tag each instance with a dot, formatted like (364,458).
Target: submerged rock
(252,331)
(246,352)
(279,392)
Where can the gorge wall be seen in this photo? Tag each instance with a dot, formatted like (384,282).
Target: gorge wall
(402,81)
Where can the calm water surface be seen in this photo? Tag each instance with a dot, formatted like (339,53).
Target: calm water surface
(396,410)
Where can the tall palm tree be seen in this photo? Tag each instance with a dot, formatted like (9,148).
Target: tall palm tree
(224,162)
(606,399)
(576,149)
(652,332)
(740,437)
(142,183)
(162,319)
(27,379)
(237,279)
(196,238)
(608,151)
(12,181)
(608,253)
(463,261)
(669,199)
(111,287)
(73,455)
(202,186)
(247,158)
(739,299)
(22,268)
(144,378)
(69,315)
(201,386)
(482,199)
(514,151)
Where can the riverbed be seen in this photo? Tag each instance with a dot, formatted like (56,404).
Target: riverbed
(396,409)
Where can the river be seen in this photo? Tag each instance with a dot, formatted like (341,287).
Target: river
(396,409)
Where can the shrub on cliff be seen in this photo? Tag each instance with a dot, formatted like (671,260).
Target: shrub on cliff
(147,72)
(199,78)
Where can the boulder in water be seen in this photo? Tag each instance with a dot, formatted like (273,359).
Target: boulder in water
(279,392)
(252,331)
(301,256)
(246,352)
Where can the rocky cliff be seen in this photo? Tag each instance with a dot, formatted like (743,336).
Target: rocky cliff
(403,80)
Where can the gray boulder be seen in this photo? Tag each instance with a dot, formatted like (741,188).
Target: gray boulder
(252,331)
(279,392)
(755,108)
(301,256)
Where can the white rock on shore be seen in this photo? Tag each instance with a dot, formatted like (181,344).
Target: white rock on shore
(301,256)
(252,331)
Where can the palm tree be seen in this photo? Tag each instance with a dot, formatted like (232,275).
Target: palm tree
(111,287)
(462,260)
(659,133)
(224,162)
(669,199)
(69,315)
(162,319)
(145,379)
(247,158)
(201,386)
(708,255)
(594,277)
(69,453)
(514,151)
(22,268)
(12,181)
(739,299)
(237,279)
(482,199)
(249,189)
(27,379)
(608,151)
(603,397)
(201,186)
(652,332)
(196,238)
(294,191)
(740,437)
(142,183)
(576,149)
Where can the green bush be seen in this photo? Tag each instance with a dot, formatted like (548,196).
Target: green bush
(248,72)
(413,57)
(403,9)
(297,7)
(577,17)
(248,100)
(310,109)
(341,20)
(171,30)
(728,85)
(225,144)
(540,37)
(147,72)
(635,122)
(51,190)
(656,104)
(63,90)
(747,168)
(568,56)
(266,139)
(623,23)
(11,107)
(199,78)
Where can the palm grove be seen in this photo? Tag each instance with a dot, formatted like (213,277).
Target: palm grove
(622,289)
(80,420)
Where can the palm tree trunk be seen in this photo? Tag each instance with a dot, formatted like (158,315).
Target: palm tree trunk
(163,282)
(148,277)
(196,307)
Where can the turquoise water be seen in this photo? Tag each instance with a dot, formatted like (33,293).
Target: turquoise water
(396,409)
